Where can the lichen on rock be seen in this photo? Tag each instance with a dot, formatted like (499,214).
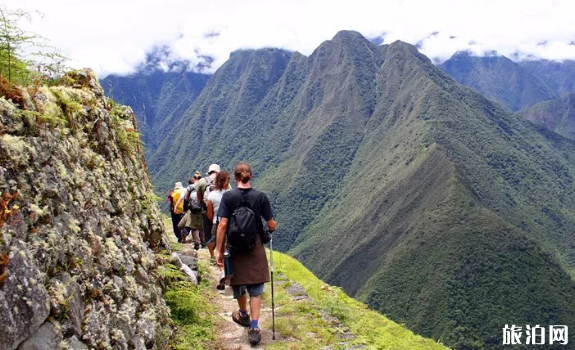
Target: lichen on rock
(80,223)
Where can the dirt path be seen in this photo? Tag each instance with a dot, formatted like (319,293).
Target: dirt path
(231,336)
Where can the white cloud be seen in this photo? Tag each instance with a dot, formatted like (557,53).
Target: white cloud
(112,36)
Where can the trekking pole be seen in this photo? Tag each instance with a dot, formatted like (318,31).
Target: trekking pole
(272,274)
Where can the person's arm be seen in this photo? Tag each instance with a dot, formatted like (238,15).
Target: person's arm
(267,213)
(201,187)
(210,213)
(220,235)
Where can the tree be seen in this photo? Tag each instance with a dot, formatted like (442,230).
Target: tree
(13,39)
(19,64)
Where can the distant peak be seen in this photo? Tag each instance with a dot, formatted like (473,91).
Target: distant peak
(348,35)
(399,45)
(265,50)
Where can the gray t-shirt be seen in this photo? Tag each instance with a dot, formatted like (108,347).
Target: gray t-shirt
(216,198)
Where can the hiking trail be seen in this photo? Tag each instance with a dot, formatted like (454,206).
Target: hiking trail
(231,336)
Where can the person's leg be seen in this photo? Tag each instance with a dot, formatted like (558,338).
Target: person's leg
(241,316)
(196,237)
(255,291)
(255,306)
(243,302)
(207,229)
(184,233)
(212,241)
(211,247)
(175,220)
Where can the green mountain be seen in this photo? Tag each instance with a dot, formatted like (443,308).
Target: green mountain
(436,206)
(559,76)
(556,115)
(499,79)
(158,99)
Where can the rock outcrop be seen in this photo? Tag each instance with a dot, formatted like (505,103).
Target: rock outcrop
(78,224)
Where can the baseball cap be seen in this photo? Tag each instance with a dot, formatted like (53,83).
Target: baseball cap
(212,168)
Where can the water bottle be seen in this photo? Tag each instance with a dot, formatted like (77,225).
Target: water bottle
(227,263)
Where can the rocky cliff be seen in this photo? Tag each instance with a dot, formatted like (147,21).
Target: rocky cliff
(78,224)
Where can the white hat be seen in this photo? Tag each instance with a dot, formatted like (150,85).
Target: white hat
(212,168)
(178,185)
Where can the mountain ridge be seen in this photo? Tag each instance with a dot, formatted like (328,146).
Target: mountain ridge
(500,79)
(555,115)
(374,153)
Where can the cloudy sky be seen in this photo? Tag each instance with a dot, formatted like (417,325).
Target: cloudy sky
(113,36)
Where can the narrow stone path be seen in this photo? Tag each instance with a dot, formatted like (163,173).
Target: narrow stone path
(231,336)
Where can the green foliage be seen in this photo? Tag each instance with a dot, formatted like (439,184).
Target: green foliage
(157,98)
(558,75)
(556,115)
(26,57)
(190,309)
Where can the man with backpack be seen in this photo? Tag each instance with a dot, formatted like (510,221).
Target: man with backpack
(193,216)
(241,212)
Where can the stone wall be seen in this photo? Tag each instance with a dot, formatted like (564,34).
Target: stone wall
(78,224)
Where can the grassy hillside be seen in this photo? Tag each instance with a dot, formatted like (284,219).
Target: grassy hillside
(412,192)
(499,79)
(329,314)
(556,115)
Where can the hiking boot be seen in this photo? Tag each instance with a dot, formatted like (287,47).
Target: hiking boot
(222,284)
(243,321)
(196,246)
(254,336)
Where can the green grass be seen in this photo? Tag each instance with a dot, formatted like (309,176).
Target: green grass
(302,326)
(190,306)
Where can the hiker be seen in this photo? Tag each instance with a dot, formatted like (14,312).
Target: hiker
(205,185)
(250,269)
(194,214)
(176,209)
(214,199)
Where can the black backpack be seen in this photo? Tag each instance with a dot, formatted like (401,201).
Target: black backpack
(242,228)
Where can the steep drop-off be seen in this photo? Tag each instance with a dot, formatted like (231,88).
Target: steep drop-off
(78,224)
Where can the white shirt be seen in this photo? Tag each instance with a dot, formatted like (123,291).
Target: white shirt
(216,198)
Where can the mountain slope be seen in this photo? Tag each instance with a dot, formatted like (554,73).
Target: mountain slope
(499,79)
(556,115)
(559,76)
(158,99)
(412,192)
